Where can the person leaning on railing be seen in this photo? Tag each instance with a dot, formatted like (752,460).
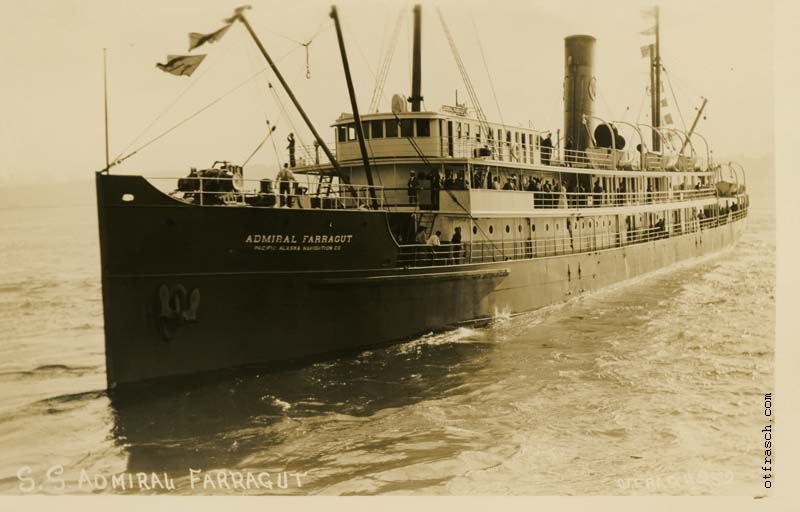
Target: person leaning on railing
(455,242)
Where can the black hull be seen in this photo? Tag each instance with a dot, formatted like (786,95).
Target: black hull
(272,309)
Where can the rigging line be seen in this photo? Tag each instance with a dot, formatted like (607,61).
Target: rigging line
(269,134)
(277,153)
(383,73)
(167,109)
(288,119)
(641,106)
(486,66)
(482,120)
(185,120)
(677,105)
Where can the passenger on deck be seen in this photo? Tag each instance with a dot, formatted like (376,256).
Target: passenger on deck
(598,193)
(449,183)
(290,147)
(495,183)
(509,184)
(547,196)
(562,195)
(413,187)
(434,240)
(436,186)
(455,241)
(285,178)
(546,150)
(420,238)
(583,199)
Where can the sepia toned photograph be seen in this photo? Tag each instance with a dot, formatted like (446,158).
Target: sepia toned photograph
(380,248)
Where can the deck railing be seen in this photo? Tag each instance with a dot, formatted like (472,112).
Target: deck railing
(210,191)
(421,255)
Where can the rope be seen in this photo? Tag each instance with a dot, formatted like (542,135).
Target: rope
(383,72)
(677,106)
(488,74)
(269,133)
(185,120)
(482,120)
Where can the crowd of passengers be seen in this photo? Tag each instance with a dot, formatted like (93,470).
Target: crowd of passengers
(547,193)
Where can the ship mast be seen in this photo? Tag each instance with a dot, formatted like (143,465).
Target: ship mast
(655,84)
(416,74)
(239,15)
(356,117)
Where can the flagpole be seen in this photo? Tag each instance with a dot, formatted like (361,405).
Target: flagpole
(291,95)
(105,104)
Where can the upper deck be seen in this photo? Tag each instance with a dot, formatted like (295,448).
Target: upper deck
(446,135)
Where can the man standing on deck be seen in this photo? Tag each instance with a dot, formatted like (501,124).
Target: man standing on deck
(455,241)
(285,178)
(413,188)
(290,147)
(547,150)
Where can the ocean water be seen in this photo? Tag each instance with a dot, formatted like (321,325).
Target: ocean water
(655,386)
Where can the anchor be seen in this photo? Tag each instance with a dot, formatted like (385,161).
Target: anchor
(176,308)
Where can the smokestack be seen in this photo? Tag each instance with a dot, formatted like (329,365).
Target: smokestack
(416,77)
(580,88)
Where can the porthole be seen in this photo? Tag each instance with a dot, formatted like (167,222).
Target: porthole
(519,228)
(590,224)
(127,197)
(533,227)
(583,225)
(491,229)
(508,228)
(547,227)
(556,227)
(474,230)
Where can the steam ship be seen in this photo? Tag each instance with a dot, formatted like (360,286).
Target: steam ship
(418,221)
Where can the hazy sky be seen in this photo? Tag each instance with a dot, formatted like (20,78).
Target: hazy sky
(51,122)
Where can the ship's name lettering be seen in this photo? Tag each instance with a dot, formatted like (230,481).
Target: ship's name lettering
(293,239)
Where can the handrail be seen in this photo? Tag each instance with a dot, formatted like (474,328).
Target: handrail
(483,251)
(209,190)
(642,143)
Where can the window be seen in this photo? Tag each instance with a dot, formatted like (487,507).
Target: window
(556,227)
(458,130)
(351,132)
(406,127)
(519,228)
(342,131)
(590,223)
(474,230)
(466,127)
(391,128)
(377,129)
(491,229)
(583,225)
(533,227)
(478,134)
(508,228)
(423,127)
(547,227)
(365,129)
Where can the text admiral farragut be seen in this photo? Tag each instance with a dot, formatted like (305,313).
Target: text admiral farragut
(292,239)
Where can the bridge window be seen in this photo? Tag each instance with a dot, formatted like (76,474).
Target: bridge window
(391,128)
(478,134)
(365,129)
(342,131)
(351,132)
(406,127)
(423,127)
(377,129)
